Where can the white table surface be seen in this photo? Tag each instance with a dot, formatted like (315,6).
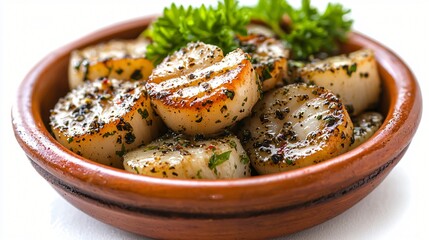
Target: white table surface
(31,209)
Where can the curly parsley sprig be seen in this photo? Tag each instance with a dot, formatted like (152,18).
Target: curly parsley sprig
(179,26)
(309,32)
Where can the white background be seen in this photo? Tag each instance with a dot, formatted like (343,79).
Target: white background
(31,209)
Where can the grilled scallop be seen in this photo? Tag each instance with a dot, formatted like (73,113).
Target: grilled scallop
(186,61)
(103,119)
(198,91)
(117,59)
(354,77)
(365,125)
(269,58)
(187,158)
(295,126)
(258,29)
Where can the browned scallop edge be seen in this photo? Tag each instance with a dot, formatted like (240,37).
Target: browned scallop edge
(377,173)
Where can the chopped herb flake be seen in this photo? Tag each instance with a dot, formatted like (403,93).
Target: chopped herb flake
(266,74)
(121,153)
(199,174)
(150,147)
(244,159)
(351,69)
(330,120)
(217,159)
(143,113)
(119,71)
(129,138)
(233,144)
(229,93)
(136,75)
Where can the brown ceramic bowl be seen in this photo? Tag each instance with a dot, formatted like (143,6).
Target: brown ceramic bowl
(257,207)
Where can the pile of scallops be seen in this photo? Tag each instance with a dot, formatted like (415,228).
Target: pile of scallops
(201,114)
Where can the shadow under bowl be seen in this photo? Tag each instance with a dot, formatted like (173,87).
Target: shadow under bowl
(253,208)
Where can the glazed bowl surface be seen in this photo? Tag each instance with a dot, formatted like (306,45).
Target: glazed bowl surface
(252,208)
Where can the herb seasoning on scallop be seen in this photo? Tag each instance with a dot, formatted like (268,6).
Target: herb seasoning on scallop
(103,119)
(296,126)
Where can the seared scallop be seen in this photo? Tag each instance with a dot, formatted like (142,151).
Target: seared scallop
(198,91)
(353,77)
(269,58)
(189,59)
(117,59)
(103,119)
(258,29)
(179,156)
(296,126)
(365,125)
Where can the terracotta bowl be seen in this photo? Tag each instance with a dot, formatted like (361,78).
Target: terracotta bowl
(257,207)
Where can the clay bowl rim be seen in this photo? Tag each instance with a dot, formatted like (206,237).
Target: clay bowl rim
(401,122)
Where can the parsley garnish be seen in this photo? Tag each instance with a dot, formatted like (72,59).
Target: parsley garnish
(179,26)
(217,159)
(308,31)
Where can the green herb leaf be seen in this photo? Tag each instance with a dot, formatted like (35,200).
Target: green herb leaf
(271,12)
(289,161)
(144,113)
(244,159)
(179,26)
(308,32)
(229,93)
(232,144)
(150,147)
(122,152)
(199,174)
(351,69)
(217,159)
